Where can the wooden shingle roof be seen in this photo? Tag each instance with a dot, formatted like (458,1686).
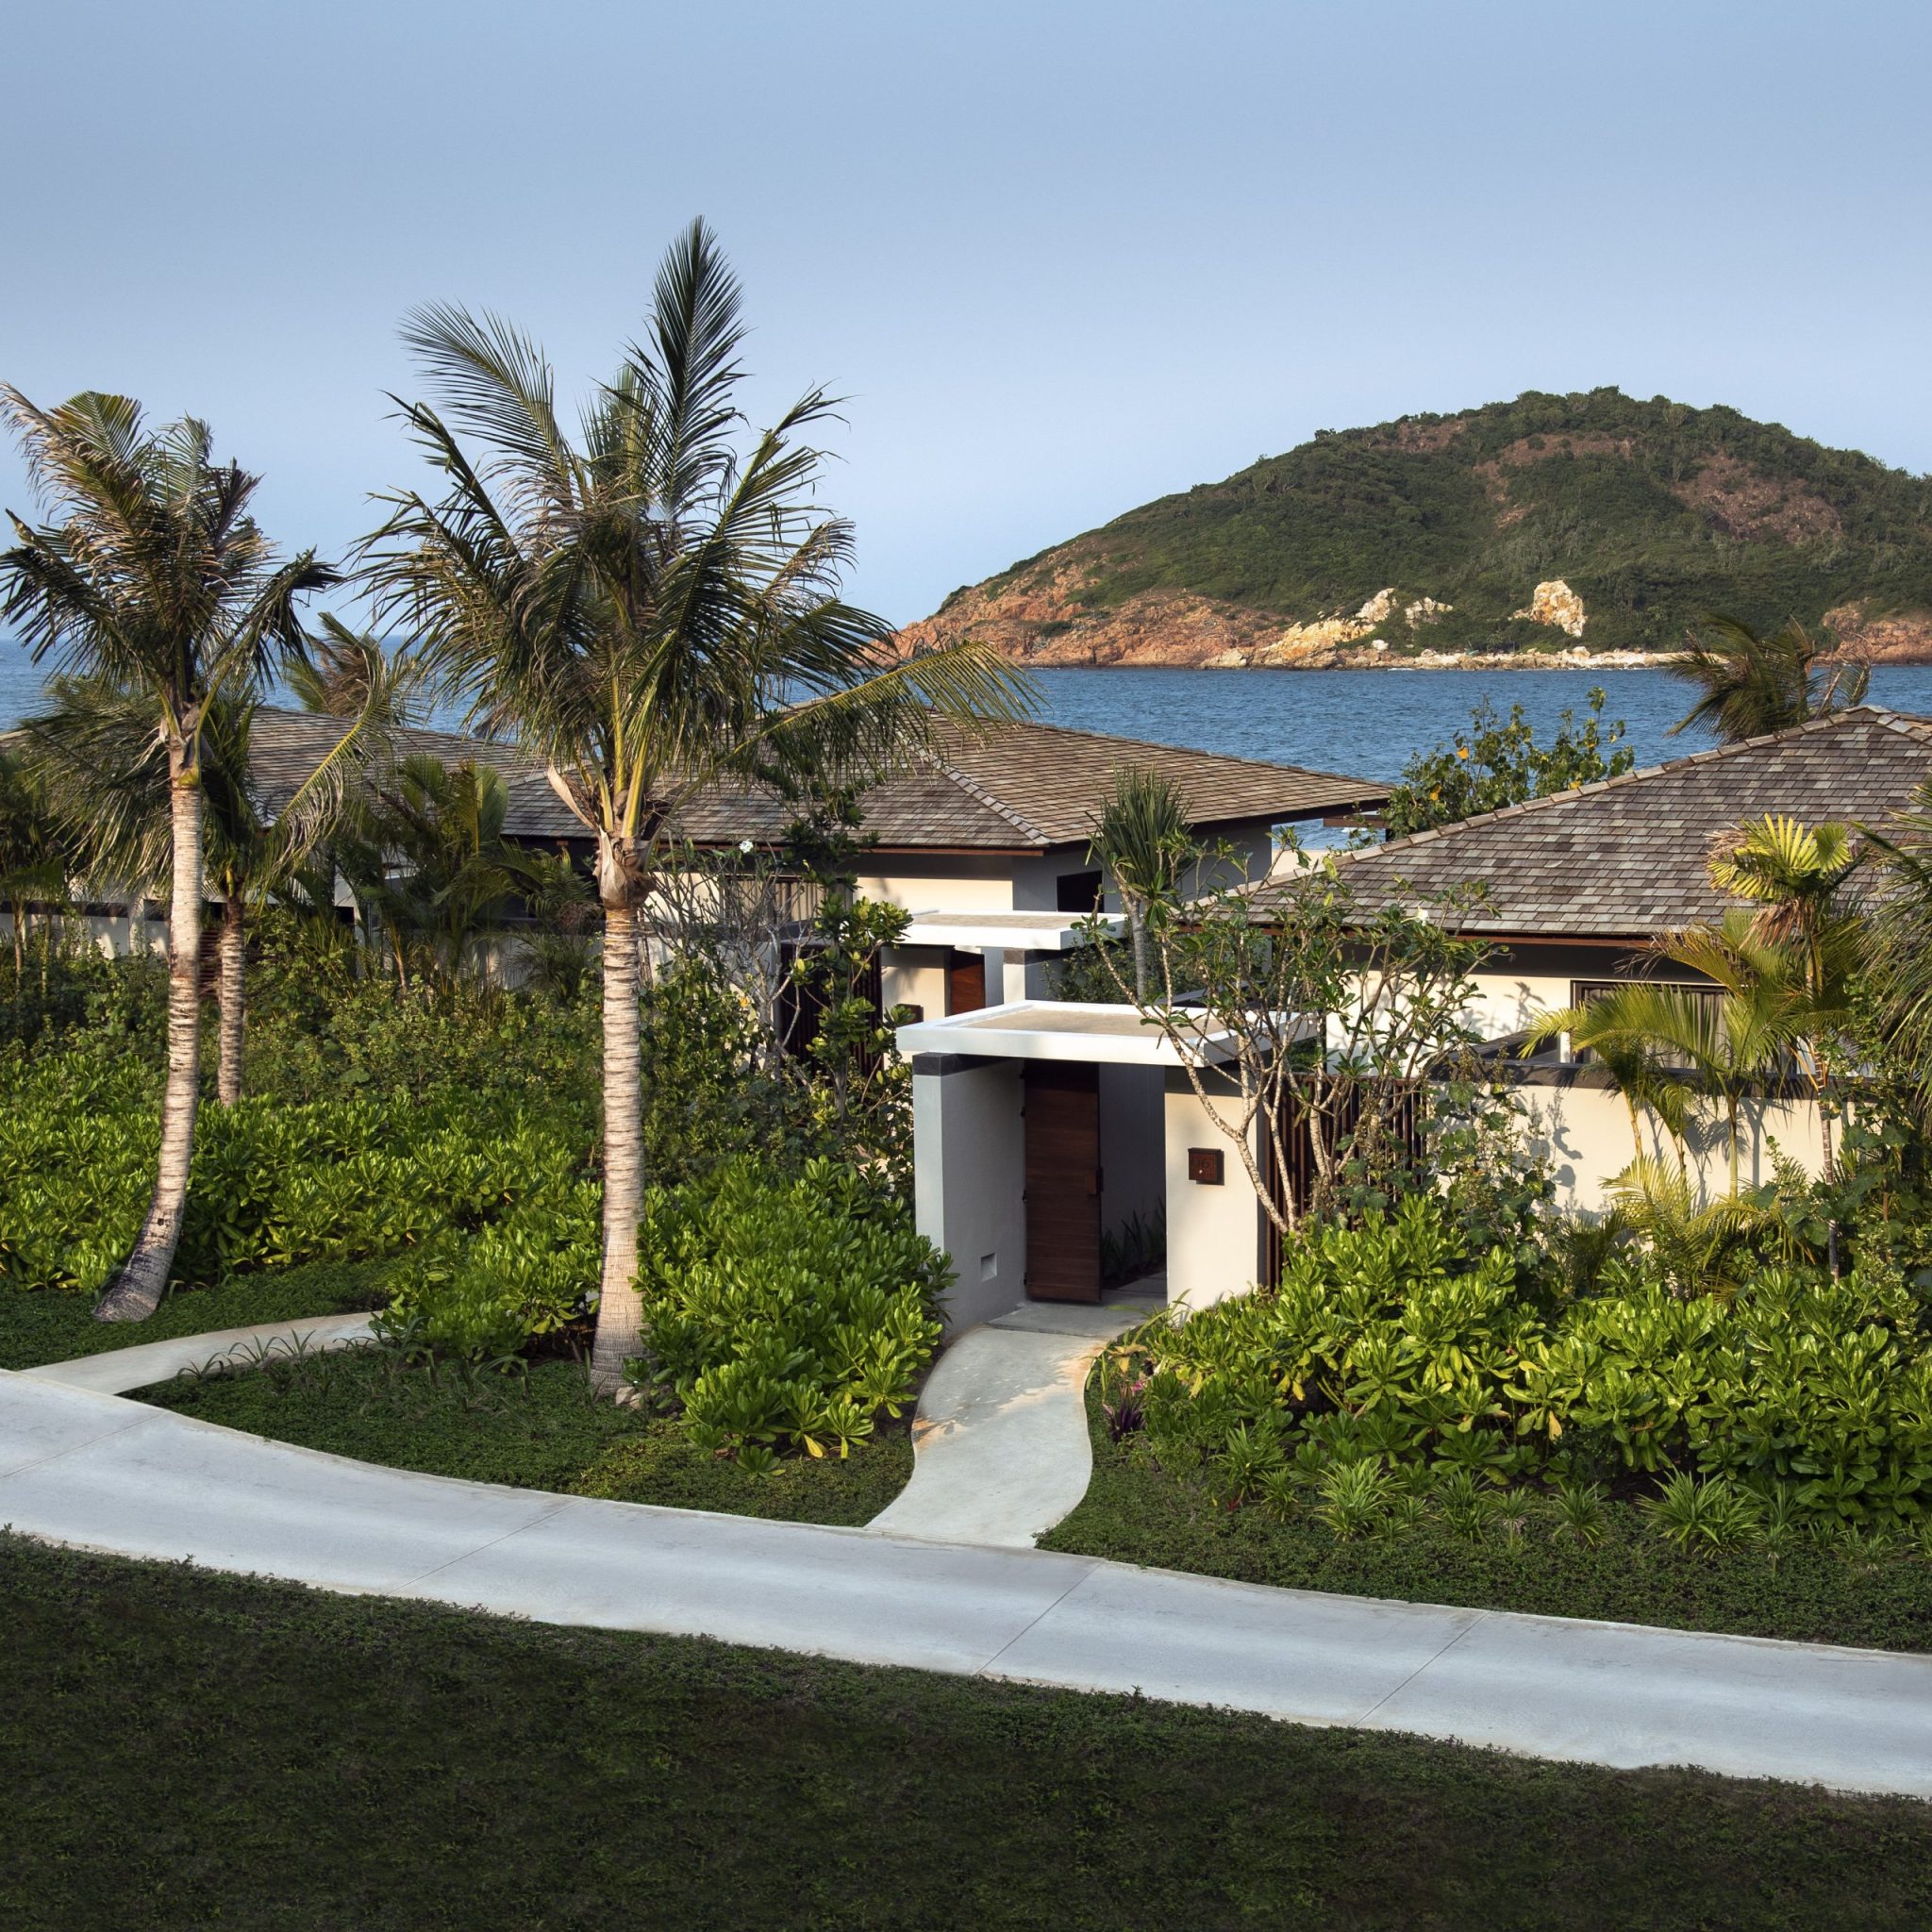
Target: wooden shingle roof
(1626,857)
(1012,788)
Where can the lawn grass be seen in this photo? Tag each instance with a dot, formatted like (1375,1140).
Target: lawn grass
(190,1750)
(48,1328)
(543,1430)
(1136,1512)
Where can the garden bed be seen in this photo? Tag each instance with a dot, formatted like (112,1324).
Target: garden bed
(208,1750)
(1135,1512)
(540,1428)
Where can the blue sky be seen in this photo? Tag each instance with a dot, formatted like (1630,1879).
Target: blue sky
(1061,258)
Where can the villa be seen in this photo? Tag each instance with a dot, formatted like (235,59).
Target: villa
(1043,1129)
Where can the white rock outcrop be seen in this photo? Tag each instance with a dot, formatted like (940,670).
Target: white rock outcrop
(1554,602)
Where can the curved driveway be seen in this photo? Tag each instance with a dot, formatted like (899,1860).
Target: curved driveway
(102,1473)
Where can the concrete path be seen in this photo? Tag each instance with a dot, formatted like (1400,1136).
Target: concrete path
(999,1442)
(115,1371)
(105,1474)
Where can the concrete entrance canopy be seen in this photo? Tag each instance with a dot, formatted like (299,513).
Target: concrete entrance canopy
(1018,948)
(1026,932)
(1056,1030)
(968,1091)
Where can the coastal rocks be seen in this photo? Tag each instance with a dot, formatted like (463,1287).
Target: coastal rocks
(1900,637)
(1301,642)
(1554,602)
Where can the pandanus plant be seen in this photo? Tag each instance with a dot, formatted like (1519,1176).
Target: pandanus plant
(1143,840)
(646,605)
(152,574)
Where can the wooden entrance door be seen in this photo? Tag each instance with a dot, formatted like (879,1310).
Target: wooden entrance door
(965,982)
(1062,1182)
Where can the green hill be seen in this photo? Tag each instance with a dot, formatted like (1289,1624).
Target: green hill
(1652,512)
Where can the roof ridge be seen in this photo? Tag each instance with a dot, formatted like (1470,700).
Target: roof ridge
(1190,751)
(978,792)
(1898,721)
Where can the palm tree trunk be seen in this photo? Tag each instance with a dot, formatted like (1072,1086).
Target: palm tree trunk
(1137,925)
(620,1307)
(232,994)
(137,1289)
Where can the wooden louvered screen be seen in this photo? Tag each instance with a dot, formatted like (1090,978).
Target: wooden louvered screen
(1293,1178)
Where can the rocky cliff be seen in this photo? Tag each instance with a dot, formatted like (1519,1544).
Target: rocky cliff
(1555,529)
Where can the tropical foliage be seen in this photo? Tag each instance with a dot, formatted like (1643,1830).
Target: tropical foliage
(1750,683)
(1394,1363)
(1495,762)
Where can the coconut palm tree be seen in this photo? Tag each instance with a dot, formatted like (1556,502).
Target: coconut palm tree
(1142,839)
(153,575)
(646,605)
(105,774)
(1750,684)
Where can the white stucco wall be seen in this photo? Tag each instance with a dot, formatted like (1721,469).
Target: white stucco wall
(1585,1130)
(114,934)
(1510,999)
(914,976)
(1214,1233)
(1133,1156)
(969,1155)
(939,883)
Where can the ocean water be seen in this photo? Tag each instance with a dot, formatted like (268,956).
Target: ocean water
(1366,723)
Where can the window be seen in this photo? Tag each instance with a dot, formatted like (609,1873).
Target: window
(1583,991)
(1077,891)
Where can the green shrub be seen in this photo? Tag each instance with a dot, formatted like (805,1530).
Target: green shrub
(1802,1396)
(273,1185)
(786,1314)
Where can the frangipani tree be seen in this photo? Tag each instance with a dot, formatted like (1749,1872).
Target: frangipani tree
(646,605)
(152,574)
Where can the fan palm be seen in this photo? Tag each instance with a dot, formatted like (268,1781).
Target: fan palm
(1793,874)
(644,607)
(1750,684)
(1141,836)
(155,575)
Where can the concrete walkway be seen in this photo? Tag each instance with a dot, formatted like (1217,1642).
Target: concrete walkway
(115,1371)
(999,1443)
(105,1474)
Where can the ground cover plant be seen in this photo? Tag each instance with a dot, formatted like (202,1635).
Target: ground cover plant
(1523,1548)
(37,1328)
(359,1762)
(538,1426)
